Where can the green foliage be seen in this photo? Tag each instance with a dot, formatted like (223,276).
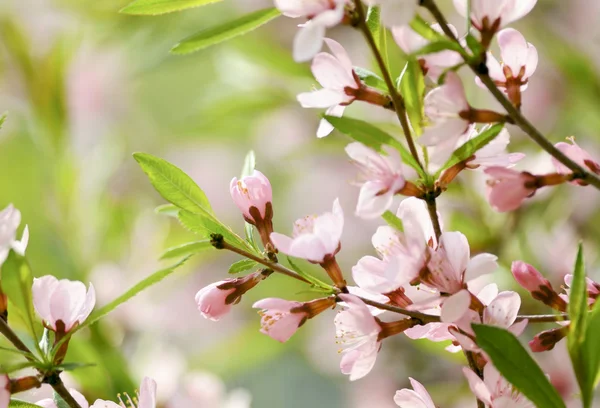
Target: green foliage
(242,266)
(412,87)
(60,403)
(206,224)
(17,281)
(227,31)
(156,7)
(437,46)
(370,78)
(472,146)
(169,210)
(173,184)
(422,27)
(393,221)
(3,119)
(590,345)
(14,403)
(187,249)
(517,366)
(372,137)
(376,28)
(578,340)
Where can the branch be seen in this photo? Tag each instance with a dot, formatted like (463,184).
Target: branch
(12,337)
(513,112)
(61,390)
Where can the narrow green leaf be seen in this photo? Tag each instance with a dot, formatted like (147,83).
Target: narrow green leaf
(517,366)
(60,403)
(578,314)
(242,266)
(173,184)
(437,46)
(472,146)
(14,403)
(206,224)
(227,31)
(372,137)
(187,249)
(156,7)
(169,210)
(17,281)
(474,44)
(74,366)
(17,367)
(590,345)
(422,27)
(249,164)
(412,87)
(374,24)
(393,221)
(317,283)
(372,79)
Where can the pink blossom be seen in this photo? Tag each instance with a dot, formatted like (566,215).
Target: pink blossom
(486,14)
(4,391)
(215,300)
(336,75)
(10,218)
(494,390)
(418,397)
(278,319)
(382,175)
(62,301)
(507,189)
(252,192)
(146,398)
(49,402)
(574,152)
(529,277)
(395,12)
(358,331)
(433,64)
(314,237)
(446,106)
(451,266)
(519,61)
(593,288)
(322,14)
(402,254)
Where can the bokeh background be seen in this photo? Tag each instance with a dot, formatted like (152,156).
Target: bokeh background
(86,86)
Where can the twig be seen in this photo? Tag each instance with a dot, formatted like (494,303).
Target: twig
(432,208)
(514,113)
(13,338)
(473,365)
(61,390)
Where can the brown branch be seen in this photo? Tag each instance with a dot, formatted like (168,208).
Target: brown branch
(514,113)
(61,390)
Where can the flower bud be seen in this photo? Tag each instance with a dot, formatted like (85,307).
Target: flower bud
(281,318)
(253,196)
(24,384)
(507,189)
(547,339)
(215,300)
(539,287)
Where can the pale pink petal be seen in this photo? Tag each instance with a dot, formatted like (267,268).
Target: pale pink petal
(532,61)
(308,41)
(371,204)
(457,251)
(514,49)
(307,246)
(282,242)
(420,389)
(478,386)
(407,39)
(406,398)
(41,290)
(275,304)
(518,328)
(503,310)
(340,53)
(331,72)
(449,130)
(518,9)
(321,98)
(358,363)
(455,307)
(325,128)
(147,396)
(479,265)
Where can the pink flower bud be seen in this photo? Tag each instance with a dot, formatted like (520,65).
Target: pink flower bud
(281,318)
(62,304)
(4,391)
(507,189)
(253,196)
(547,339)
(528,277)
(215,300)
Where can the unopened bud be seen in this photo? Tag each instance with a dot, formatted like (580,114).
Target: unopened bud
(539,287)
(546,340)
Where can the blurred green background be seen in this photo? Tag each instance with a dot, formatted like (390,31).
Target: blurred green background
(86,86)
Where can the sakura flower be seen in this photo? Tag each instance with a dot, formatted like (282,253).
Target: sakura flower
(507,189)
(451,266)
(205,390)
(494,391)
(358,330)
(316,239)
(281,318)
(519,62)
(539,287)
(432,64)
(62,304)
(341,86)
(146,398)
(488,16)
(253,196)
(322,14)
(215,300)
(418,397)
(593,288)
(383,178)
(4,391)
(395,12)
(49,402)
(10,218)
(579,156)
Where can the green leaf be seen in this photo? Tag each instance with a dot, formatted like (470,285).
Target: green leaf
(187,249)
(60,403)
(14,403)
(374,24)
(412,87)
(393,221)
(517,366)
(242,266)
(423,28)
(472,146)
(17,281)
(17,367)
(169,210)
(578,314)
(74,366)
(156,7)
(317,283)
(372,137)
(590,345)
(372,79)
(206,224)
(227,31)
(3,119)
(437,46)
(249,164)
(474,44)
(173,184)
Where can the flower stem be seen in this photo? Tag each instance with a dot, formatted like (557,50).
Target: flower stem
(12,337)
(61,390)
(514,113)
